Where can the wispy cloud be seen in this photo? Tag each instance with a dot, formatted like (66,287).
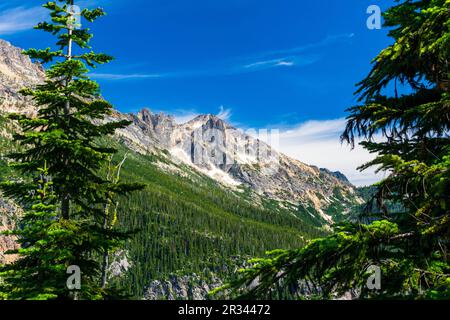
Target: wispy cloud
(15,17)
(287,58)
(285,64)
(185,115)
(116,76)
(294,57)
(19,19)
(329,40)
(317,142)
(224,113)
(281,62)
(182,115)
(219,71)
(314,142)
(269,63)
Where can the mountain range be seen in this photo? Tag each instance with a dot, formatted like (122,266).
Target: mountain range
(209,184)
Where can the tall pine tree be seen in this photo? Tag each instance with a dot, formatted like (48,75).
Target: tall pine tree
(65,228)
(410,247)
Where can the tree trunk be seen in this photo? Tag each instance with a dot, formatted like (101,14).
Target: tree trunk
(105,265)
(65,208)
(65,203)
(105,262)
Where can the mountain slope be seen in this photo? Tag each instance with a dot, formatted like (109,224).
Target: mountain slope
(185,222)
(215,195)
(211,146)
(190,223)
(240,161)
(16,72)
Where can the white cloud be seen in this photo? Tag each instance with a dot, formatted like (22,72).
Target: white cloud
(183,116)
(281,62)
(269,64)
(286,63)
(318,143)
(294,56)
(311,46)
(314,142)
(20,19)
(224,113)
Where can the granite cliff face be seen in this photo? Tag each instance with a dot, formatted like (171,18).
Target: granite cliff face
(242,161)
(16,73)
(236,159)
(8,215)
(187,287)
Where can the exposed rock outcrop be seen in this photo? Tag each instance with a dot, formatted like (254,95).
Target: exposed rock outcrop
(188,287)
(236,159)
(9,213)
(17,72)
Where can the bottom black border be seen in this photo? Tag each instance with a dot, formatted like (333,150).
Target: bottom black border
(222,309)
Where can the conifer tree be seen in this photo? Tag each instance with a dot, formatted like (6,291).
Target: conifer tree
(66,228)
(47,246)
(411,246)
(110,209)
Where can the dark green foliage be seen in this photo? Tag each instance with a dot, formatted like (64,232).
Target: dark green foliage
(189,224)
(407,233)
(370,210)
(47,245)
(66,229)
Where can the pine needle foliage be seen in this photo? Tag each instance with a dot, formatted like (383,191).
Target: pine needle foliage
(410,246)
(64,228)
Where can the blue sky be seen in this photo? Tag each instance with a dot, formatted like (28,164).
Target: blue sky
(284,64)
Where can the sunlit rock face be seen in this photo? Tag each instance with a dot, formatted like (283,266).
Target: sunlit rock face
(239,160)
(17,71)
(9,212)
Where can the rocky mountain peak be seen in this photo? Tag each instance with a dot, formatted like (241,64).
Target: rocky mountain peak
(208,145)
(15,65)
(337,174)
(156,120)
(209,121)
(206,118)
(16,72)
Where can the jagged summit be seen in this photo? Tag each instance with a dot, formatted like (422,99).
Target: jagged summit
(16,72)
(206,117)
(155,120)
(209,120)
(17,66)
(5,44)
(208,145)
(161,118)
